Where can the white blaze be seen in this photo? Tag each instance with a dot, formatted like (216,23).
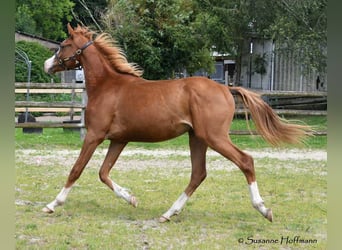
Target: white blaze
(48,64)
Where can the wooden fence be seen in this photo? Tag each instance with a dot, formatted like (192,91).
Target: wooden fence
(79,106)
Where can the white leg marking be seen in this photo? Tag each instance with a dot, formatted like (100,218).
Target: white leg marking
(123,193)
(176,207)
(59,201)
(256,199)
(48,64)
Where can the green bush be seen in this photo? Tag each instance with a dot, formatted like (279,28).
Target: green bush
(37,54)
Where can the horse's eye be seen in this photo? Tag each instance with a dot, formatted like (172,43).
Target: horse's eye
(62,46)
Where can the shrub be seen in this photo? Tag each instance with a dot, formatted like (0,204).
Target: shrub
(37,54)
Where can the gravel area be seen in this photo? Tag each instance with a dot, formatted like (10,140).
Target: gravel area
(135,159)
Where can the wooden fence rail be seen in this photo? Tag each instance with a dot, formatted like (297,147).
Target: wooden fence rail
(79,106)
(32,85)
(61,106)
(293,93)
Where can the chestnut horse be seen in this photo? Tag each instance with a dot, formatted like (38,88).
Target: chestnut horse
(124,107)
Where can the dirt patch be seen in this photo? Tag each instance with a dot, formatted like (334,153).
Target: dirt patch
(140,159)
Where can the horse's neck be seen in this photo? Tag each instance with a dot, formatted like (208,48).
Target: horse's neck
(98,72)
(96,68)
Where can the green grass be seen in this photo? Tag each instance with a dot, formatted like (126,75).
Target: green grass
(216,217)
(61,139)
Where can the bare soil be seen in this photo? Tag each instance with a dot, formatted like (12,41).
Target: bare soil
(138,159)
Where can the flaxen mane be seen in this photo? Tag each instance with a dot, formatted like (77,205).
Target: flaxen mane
(115,56)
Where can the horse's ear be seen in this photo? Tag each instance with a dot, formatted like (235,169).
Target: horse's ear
(70,29)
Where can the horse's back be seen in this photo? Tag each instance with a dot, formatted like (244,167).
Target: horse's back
(160,110)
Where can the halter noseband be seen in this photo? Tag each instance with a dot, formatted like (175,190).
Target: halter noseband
(61,62)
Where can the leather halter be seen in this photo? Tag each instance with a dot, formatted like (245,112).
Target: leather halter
(61,62)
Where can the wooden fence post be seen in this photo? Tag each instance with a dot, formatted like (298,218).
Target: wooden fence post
(83,130)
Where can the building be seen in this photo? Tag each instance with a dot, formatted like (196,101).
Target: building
(225,72)
(263,68)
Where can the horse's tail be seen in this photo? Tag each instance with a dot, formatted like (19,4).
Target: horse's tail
(270,126)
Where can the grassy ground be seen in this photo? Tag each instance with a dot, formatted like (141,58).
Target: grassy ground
(218,216)
(60,139)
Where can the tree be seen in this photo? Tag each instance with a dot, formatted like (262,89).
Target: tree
(89,12)
(301,27)
(24,19)
(161,36)
(44,18)
(167,36)
(298,27)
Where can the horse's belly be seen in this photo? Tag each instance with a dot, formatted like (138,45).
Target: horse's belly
(150,132)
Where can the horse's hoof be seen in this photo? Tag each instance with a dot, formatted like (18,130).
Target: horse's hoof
(47,210)
(163,219)
(134,201)
(269,215)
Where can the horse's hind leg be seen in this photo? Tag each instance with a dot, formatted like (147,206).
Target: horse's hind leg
(113,153)
(246,164)
(198,150)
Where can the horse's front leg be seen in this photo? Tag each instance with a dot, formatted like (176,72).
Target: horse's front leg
(113,153)
(89,145)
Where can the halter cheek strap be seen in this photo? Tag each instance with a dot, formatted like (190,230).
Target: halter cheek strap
(61,62)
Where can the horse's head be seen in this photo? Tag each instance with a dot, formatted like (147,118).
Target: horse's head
(68,55)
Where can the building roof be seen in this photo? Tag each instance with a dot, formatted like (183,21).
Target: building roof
(22,36)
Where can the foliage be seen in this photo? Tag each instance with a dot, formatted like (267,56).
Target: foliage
(24,19)
(260,63)
(161,36)
(301,27)
(167,36)
(37,54)
(31,17)
(89,12)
